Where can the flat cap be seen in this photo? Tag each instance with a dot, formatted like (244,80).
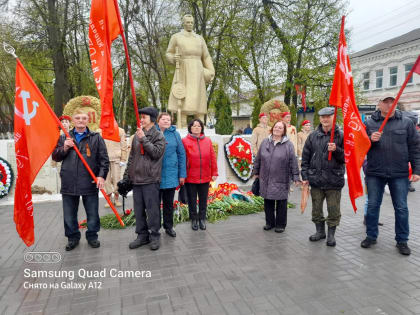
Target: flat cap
(326,111)
(151,111)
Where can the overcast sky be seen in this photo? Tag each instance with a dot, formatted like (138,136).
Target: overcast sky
(374,21)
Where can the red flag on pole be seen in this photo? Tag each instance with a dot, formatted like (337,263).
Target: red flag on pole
(36,135)
(104,28)
(302,93)
(356,140)
(416,69)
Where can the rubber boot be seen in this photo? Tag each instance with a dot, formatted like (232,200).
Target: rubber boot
(331,238)
(320,232)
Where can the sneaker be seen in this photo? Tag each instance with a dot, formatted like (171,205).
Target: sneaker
(118,203)
(138,242)
(154,245)
(107,205)
(367,242)
(279,230)
(403,249)
(72,244)
(94,243)
(267,227)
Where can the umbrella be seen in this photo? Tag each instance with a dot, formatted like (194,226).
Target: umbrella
(304,198)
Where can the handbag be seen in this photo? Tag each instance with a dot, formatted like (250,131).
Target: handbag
(256,187)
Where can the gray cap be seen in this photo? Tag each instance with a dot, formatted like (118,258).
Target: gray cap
(326,111)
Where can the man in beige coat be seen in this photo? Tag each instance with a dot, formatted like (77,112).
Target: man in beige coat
(291,130)
(117,152)
(259,133)
(302,136)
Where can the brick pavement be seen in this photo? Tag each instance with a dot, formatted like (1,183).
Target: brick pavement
(232,268)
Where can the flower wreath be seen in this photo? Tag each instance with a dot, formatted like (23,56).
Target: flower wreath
(238,153)
(6,178)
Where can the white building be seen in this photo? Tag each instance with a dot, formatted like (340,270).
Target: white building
(381,70)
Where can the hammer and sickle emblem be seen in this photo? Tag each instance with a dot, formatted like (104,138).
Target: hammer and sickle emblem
(26,115)
(344,66)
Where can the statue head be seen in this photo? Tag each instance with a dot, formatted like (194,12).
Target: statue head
(188,22)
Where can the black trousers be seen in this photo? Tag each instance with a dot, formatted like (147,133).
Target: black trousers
(279,219)
(202,190)
(147,210)
(166,196)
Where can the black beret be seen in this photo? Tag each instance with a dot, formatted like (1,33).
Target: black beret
(326,111)
(151,111)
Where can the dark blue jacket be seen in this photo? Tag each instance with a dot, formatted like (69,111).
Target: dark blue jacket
(75,179)
(399,144)
(174,165)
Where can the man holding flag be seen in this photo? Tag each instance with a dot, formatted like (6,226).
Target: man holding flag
(385,167)
(76,180)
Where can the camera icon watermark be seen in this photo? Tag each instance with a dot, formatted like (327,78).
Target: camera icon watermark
(42,257)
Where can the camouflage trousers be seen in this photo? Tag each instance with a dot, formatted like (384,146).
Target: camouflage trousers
(333,198)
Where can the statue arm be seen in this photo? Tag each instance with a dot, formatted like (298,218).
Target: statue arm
(209,71)
(170,52)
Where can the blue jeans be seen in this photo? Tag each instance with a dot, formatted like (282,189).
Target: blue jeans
(398,188)
(71,225)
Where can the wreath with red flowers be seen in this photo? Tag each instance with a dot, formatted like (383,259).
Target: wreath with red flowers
(238,152)
(6,178)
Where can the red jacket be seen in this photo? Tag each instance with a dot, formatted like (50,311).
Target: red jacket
(201,159)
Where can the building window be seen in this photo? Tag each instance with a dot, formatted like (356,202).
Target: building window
(407,70)
(393,76)
(366,81)
(379,77)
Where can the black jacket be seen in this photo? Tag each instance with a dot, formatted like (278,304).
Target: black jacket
(75,179)
(316,168)
(399,144)
(146,168)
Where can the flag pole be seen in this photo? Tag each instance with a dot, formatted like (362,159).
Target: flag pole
(9,49)
(335,110)
(130,74)
(394,104)
(332,132)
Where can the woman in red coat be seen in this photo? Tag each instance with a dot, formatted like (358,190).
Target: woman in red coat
(201,169)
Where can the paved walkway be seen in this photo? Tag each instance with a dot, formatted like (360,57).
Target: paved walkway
(232,268)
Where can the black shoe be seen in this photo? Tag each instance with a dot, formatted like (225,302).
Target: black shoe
(94,243)
(320,232)
(202,224)
(267,227)
(154,244)
(194,225)
(138,242)
(411,189)
(403,249)
(171,232)
(330,237)
(367,242)
(72,245)
(279,230)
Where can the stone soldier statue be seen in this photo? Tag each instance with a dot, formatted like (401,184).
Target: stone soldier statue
(195,68)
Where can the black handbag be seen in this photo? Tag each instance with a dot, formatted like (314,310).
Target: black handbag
(256,187)
(124,186)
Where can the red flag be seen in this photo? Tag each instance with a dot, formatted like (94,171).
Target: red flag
(302,93)
(103,29)
(356,140)
(416,69)
(36,135)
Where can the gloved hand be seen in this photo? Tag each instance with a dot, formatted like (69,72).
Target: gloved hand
(122,164)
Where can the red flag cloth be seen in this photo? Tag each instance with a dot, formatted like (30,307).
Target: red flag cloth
(103,29)
(36,135)
(356,140)
(302,93)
